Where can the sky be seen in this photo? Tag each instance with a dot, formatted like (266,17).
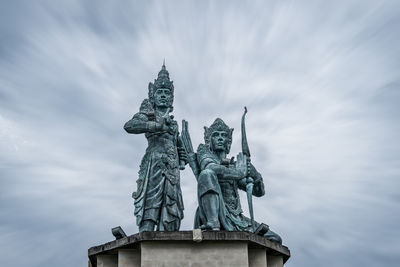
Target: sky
(320,80)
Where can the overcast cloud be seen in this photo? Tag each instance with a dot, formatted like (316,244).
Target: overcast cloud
(320,79)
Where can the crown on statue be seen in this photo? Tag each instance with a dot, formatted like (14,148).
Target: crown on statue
(162,81)
(218,125)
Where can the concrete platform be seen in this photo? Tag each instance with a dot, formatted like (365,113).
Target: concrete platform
(189,249)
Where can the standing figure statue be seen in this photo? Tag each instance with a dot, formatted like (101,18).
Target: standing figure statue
(218,181)
(158,199)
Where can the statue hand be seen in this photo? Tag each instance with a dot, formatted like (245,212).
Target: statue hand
(161,125)
(241,165)
(168,119)
(253,173)
(182,154)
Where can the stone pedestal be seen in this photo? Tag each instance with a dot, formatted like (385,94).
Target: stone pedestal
(129,258)
(189,249)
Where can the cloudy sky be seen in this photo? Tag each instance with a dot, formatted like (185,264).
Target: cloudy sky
(320,79)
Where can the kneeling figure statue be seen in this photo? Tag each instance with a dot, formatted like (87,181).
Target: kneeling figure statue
(219,180)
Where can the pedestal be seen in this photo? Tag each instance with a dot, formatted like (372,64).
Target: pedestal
(189,249)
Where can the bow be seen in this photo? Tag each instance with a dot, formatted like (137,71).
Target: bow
(250,184)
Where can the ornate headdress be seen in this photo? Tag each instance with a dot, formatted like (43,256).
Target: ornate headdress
(218,125)
(162,81)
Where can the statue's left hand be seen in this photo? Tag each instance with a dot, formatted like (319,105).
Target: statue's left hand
(249,180)
(182,155)
(254,173)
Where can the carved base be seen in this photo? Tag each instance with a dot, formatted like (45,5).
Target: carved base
(189,248)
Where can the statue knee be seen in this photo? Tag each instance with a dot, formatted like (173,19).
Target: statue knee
(207,182)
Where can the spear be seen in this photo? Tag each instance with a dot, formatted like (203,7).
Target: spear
(249,185)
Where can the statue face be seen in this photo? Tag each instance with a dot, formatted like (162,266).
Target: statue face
(219,141)
(162,97)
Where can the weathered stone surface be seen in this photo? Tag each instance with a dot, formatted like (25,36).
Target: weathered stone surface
(274,261)
(183,244)
(257,257)
(129,258)
(107,261)
(130,241)
(204,254)
(197,235)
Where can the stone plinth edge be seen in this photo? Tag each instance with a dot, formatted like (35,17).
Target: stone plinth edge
(133,241)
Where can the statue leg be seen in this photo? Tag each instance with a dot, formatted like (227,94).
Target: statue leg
(171,226)
(209,199)
(147,225)
(210,204)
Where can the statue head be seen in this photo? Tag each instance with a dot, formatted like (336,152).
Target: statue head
(218,137)
(161,92)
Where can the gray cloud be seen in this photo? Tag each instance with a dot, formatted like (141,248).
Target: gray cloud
(321,82)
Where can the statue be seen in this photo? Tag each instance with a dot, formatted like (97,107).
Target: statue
(220,178)
(158,199)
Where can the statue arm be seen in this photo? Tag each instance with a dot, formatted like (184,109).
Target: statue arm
(139,124)
(225,173)
(207,161)
(258,189)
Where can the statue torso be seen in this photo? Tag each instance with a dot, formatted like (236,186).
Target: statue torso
(162,146)
(229,188)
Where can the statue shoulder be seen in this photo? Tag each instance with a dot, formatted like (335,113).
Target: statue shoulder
(204,154)
(146,107)
(203,149)
(146,111)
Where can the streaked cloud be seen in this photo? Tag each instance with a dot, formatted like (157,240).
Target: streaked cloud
(321,81)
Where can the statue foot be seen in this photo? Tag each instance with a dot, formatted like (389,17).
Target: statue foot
(274,237)
(210,226)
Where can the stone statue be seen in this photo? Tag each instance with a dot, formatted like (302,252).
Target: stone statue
(219,180)
(158,199)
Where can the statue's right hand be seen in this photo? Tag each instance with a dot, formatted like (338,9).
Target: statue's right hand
(161,126)
(155,126)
